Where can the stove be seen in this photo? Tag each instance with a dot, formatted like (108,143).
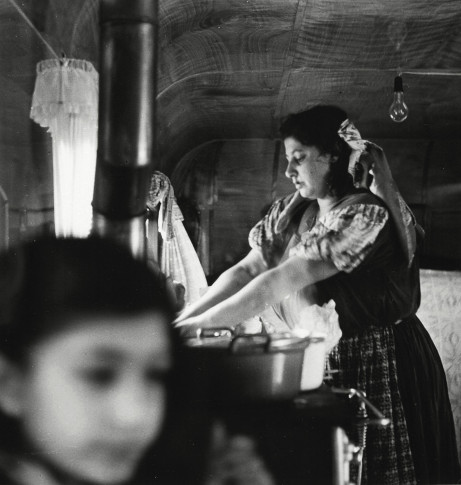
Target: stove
(317,438)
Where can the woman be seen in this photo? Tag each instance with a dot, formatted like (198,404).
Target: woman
(331,240)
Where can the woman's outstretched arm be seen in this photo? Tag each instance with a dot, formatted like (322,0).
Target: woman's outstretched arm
(229,283)
(267,288)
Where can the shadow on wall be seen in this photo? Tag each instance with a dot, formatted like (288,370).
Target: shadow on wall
(440,313)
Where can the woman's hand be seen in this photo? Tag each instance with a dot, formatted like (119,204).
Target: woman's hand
(379,168)
(191,327)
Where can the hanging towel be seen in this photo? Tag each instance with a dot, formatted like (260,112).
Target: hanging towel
(178,258)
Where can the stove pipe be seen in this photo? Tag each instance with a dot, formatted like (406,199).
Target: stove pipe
(126,134)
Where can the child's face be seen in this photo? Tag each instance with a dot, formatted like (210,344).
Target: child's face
(94,395)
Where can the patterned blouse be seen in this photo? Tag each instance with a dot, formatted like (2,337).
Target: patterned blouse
(357,236)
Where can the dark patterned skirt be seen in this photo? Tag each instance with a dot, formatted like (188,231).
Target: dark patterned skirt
(400,371)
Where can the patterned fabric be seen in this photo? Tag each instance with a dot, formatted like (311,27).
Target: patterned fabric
(356,358)
(161,192)
(343,236)
(351,135)
(267,237)
(178,258)
(288,207)
(403,217)
(440,312)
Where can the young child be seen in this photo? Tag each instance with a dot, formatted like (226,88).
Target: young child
(95,388)
(89,370)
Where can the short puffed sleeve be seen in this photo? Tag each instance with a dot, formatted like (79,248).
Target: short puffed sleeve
(263,236)
(344,236)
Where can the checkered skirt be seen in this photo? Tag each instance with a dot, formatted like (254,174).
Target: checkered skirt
(367,362)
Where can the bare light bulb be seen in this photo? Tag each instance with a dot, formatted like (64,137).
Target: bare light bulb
(398,110)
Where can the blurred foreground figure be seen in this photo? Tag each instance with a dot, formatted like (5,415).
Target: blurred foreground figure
(94,387)
(87,355)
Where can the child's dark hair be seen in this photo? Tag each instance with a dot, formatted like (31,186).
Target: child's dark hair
(44,283)
(318,126)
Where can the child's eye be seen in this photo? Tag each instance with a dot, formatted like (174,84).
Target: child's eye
(99,376)
(156,375)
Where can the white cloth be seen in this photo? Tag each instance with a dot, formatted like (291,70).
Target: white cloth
(178,258)
(349,133)
(323,319)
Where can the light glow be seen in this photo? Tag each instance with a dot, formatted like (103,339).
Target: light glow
(65,101)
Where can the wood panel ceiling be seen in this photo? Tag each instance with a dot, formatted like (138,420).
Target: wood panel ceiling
(232,68)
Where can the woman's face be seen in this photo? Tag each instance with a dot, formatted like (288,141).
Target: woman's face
(307,168)
(94,395)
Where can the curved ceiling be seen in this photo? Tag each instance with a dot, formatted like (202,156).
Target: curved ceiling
(230,69)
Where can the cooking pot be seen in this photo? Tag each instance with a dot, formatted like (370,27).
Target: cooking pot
(252,367)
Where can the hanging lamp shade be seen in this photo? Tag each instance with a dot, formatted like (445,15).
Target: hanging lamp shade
(65,100)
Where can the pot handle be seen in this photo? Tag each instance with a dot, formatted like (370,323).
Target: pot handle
(211,332)
(265,344)
(315,340)
(303,342)
(216,332)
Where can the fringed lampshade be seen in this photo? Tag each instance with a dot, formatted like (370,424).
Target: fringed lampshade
(65,101)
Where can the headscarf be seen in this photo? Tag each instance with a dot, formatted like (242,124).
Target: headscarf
(349,133)
(384,187)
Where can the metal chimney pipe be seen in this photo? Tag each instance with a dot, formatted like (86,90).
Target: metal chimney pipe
(126,134)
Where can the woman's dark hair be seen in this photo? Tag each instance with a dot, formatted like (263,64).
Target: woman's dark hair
(318,126)
(44,283)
